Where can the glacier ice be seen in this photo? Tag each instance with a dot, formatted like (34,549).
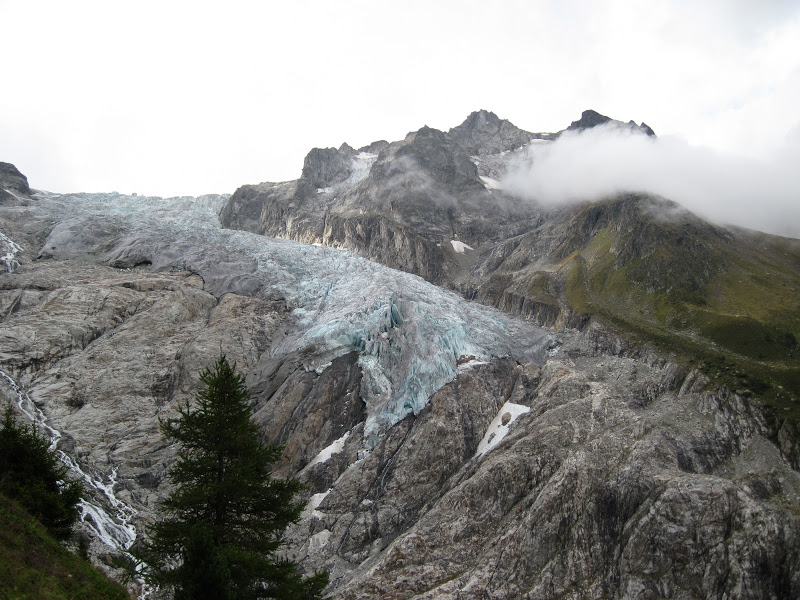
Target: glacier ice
(409,334)
(360,165)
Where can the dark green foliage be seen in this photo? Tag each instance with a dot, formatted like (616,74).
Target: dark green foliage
(34,565)
(226,515)
(31,474)
(204,574)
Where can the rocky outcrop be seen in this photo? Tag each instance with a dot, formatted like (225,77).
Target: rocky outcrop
(590,118)
(324,167)
(483,132)
(619,477)
(13,184)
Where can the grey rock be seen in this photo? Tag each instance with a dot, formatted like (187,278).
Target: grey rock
(483,132)
(13,185)
(591,118)
(562,465)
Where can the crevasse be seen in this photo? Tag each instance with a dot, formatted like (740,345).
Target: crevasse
(409,334)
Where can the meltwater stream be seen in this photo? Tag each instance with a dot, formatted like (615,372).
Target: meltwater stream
(111,526)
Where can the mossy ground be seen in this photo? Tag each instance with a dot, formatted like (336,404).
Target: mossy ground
(35,566)
(741,328)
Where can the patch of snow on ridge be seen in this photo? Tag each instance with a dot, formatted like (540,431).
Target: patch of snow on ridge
(359,167)
(8,191)
(460,246)
(466,366)
(498,428)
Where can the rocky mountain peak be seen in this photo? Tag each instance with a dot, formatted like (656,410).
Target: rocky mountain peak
(591,118)
(483,132)
(481,119)
(324,167)
(12,183)
(435,152)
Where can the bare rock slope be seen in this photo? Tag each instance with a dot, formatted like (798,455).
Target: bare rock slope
(450,450)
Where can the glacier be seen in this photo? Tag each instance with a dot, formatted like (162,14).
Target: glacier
(409,334)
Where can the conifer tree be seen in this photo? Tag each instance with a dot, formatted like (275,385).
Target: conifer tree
(225,518)
(32,474)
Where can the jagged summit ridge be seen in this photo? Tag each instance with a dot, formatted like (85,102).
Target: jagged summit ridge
(483,132)
(590,118)
(13,184)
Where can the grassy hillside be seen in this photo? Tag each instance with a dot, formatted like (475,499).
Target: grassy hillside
(33,565)
(727,303)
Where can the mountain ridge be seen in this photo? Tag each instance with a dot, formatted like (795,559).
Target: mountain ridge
(618,428)
(431,204)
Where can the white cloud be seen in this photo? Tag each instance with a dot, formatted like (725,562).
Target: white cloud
(191,97)
(762,194)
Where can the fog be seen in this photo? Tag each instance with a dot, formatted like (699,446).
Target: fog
(761,194)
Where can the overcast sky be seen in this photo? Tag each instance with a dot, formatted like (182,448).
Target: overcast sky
(171,98)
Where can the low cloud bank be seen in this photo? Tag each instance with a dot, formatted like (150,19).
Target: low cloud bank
(761,194)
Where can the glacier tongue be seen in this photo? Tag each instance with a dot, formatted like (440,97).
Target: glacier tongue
(409,334)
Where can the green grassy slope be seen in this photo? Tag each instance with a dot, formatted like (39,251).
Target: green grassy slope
(34,565)
(727,304)
(726,301)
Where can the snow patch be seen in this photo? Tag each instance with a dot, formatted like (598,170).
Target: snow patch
(460,246)
(7,191)
(325,454)
(498,428)
(326,190)
(311,506)
(360,165)
(490,183)
(470,364)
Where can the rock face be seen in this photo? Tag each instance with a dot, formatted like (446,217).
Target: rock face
(485,133)
(432,204)
(436,204)
(450,450)
(12,184)
(590,118)
(401,204)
